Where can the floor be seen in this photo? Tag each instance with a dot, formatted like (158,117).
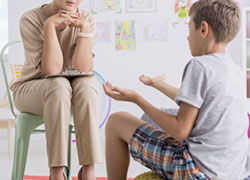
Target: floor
(37,159)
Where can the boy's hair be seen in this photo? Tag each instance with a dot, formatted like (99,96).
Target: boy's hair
(222,15)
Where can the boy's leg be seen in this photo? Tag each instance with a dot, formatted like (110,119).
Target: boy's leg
(119,130)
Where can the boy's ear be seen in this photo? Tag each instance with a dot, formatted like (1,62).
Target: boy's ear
(204,29)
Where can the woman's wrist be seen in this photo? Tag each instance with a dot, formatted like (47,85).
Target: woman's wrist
(48,25)
(85,28)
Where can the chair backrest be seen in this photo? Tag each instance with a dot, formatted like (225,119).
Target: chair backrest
(5,72)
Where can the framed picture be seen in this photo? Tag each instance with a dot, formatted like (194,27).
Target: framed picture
(141,6)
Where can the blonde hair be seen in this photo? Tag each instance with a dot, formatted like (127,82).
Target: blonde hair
(222,15)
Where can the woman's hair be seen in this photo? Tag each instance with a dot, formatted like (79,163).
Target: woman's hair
(222,15)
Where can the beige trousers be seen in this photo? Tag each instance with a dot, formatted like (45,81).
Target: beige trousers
(53,98)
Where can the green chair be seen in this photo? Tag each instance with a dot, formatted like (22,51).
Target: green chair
(25,125)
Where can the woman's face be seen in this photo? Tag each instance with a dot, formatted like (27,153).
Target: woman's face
(68,5)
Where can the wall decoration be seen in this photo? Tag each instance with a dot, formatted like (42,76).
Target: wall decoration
(181,10)
(103,31)
(125,35)
(134,6)
(99,6)
(148,31)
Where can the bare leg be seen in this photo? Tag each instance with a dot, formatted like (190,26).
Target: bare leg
(56,173)
(88,172)
(119,130)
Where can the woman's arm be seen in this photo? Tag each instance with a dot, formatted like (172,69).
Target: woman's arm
(158,83)
(82,58)
(52,58)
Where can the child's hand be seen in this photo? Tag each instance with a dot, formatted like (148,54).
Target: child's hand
(152,81)
(119,93)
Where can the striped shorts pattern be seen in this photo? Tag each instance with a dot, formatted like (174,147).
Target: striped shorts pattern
(164,155)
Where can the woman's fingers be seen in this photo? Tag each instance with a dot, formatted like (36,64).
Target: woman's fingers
(70,14)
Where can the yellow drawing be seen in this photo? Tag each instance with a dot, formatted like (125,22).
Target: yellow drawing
(125,35)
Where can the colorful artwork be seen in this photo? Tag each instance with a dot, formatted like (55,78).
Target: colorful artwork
(141,6)
(152,31)
(103,31)
(181,11)
(125,35)
(106,6)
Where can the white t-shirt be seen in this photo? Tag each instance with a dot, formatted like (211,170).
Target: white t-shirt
(218,141)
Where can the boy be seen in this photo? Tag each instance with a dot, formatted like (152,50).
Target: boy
(207,137)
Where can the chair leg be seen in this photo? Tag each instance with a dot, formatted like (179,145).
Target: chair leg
(23,132)
(69,154)
(9,137)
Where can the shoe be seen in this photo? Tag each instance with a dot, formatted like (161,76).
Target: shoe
(80,174)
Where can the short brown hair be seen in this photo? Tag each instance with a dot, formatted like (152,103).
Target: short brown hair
(222,15)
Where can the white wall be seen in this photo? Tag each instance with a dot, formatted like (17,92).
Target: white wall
(123,68)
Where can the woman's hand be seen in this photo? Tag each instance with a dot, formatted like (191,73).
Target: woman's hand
(78,21)
(63,18)
(60,21)
(152,81)
(119,93)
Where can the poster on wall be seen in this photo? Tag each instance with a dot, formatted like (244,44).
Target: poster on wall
(99,6)
(103,31)
(136,6)
(181,9)
(152,31)
(125,35)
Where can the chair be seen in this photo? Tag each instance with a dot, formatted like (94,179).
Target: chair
(27,123)
(6,122)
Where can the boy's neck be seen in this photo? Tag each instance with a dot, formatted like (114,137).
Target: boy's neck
(212,47)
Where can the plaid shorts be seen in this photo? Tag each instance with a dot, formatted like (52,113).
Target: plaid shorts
(164,155)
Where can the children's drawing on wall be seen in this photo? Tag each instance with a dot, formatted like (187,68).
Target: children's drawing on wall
(147,31)
(125,35)
(181,10)
(99,6)
(133,6)
(103,31)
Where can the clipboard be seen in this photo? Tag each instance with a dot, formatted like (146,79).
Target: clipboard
(71,72)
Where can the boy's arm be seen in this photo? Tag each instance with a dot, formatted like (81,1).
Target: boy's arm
(158,83)
(178,126)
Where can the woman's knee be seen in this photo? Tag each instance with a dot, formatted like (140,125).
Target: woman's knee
(59,87)
(84,88)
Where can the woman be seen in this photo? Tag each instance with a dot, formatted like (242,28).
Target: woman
(57,36)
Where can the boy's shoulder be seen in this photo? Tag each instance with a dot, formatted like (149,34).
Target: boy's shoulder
(213,59)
